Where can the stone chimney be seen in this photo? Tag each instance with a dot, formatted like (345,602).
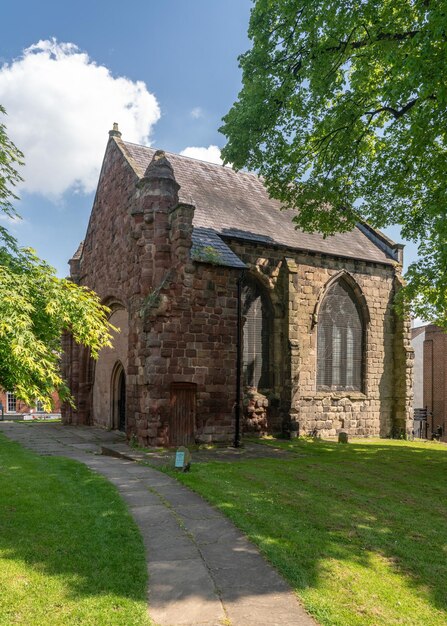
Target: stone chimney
(115,131)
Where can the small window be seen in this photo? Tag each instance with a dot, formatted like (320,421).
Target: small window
(11,402)
(39,406)
(340,344)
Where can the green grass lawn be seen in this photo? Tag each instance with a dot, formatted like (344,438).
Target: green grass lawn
(69,551)
(359,530)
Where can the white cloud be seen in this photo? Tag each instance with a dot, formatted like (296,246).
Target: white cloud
(60,105)
(196,113)
(210,154)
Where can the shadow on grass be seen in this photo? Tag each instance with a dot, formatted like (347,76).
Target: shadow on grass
(368,505)
(327,503)
(61,519)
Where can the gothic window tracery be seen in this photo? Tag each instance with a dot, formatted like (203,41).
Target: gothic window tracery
(340,346)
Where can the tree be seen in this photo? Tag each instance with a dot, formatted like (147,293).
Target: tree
(343,112)
(36,306)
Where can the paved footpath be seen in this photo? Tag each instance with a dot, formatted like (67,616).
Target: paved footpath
(202,570)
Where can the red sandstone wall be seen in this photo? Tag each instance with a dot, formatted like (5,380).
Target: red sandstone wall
(194,340)
(108,267)
(181,314)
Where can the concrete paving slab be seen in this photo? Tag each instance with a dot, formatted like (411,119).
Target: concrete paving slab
(135,470)
(152,515)
(134,496)
(189,586)
(233,557)
(171,548)
(177,579)
(195,511)
(190,611)
(268,610)
(157,481)
(228,580)
(211,530)
(179,496)
(87,447)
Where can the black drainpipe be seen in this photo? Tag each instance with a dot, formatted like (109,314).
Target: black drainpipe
(237,404)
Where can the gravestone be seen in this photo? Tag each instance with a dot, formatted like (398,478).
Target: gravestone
(342,437)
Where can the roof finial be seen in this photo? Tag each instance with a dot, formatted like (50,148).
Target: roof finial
(115,132)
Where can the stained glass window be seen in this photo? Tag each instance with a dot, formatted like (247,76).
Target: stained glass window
(340,340)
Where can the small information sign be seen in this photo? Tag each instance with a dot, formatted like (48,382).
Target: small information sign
(182,459)
(179,459)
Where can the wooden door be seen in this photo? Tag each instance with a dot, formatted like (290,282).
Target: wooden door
(182,423)
(122,401)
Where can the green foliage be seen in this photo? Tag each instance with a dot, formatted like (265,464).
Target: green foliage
(154,299)
(36,307)
(343,111)
(10,156)
(206,254)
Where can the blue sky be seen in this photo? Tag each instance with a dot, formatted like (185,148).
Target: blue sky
(179,59)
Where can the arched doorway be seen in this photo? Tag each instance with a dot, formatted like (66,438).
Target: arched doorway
(106,375)
(118,398)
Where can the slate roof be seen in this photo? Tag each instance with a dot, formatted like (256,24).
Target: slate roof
(207,246)
(236,205)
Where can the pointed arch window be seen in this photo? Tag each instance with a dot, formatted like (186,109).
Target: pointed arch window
(340,346)
(257,312)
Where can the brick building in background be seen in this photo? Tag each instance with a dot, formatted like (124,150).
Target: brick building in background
(174,246)
(13,408)
(430,345)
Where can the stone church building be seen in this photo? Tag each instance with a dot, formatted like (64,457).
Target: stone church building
(218,297)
